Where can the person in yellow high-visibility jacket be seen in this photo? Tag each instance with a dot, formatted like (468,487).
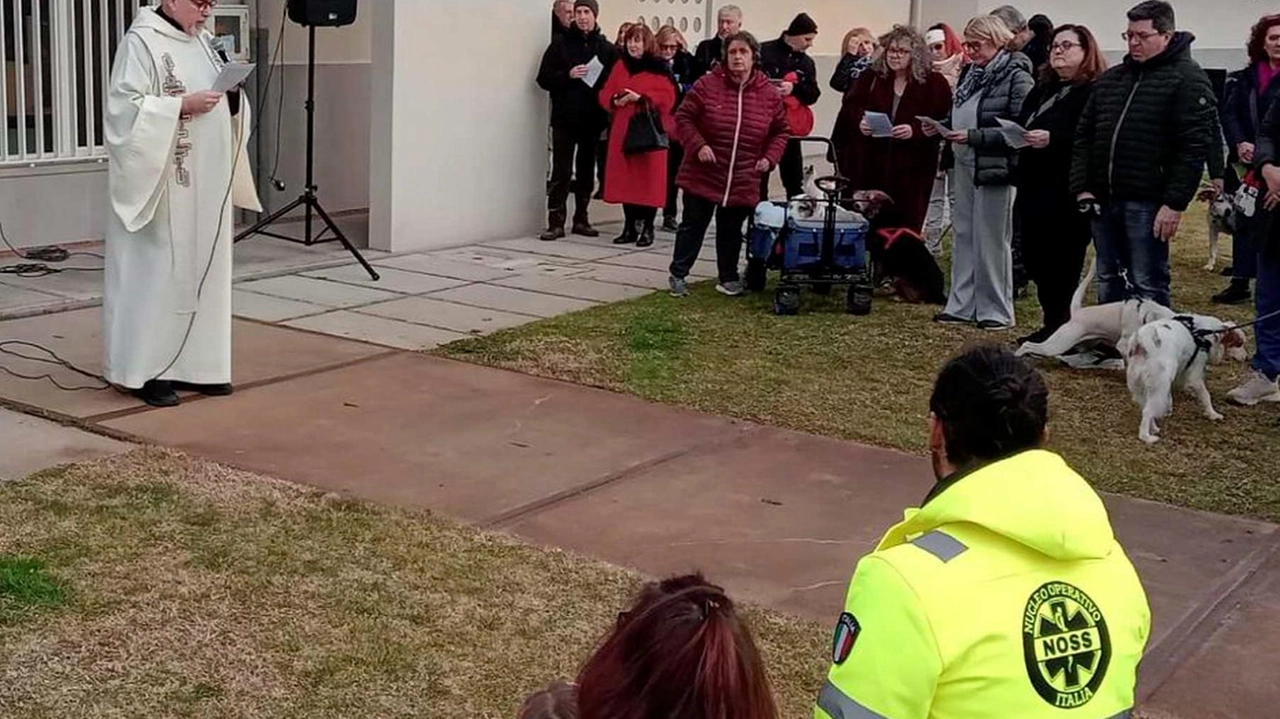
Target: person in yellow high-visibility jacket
(1006,593)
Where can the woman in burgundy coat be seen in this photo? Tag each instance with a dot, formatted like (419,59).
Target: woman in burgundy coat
(639,82)
(903,85)
(733,127)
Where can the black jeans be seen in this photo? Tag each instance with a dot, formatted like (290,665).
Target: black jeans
(675,156)
(693,229)
(570,152)
(791,168)
(1054,245)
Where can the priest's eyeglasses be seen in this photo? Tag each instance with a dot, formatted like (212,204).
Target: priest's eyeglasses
(204,5)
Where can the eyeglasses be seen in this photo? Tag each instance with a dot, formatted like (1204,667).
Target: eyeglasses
(1064,46)
(204,4)
(672,46)
(938,46)
(970,46)
(1138,36)
(897,51)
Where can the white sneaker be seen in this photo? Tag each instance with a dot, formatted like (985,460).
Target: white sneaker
(1257,389)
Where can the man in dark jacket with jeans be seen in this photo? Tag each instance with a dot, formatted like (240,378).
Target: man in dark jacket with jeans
(1140,151)
(577,118)
(782,58)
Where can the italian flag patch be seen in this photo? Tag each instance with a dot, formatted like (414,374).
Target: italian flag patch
(847,631)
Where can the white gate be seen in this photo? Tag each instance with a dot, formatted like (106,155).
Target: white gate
(692,17)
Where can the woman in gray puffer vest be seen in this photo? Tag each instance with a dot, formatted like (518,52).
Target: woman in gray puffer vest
(992,87)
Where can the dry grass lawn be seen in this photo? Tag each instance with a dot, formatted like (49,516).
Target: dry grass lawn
(153,585)
(869,378)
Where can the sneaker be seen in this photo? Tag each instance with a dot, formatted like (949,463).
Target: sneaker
(993,326)
(669,224)
(679,286)
(729,289)
(1257,389)
(552,234)
(1237,293)
(945,319)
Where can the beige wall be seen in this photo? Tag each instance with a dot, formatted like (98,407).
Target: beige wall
(349,44)
(459,130)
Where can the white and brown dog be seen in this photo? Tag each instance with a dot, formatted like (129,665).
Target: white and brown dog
(1110,323)
(1221,219)
(1174,353)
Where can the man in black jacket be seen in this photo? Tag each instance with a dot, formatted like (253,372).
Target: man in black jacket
(577,119)
(561,17)
(1140,152)
(786,56)
(710,51)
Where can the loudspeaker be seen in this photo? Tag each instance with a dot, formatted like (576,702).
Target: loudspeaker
(322,13)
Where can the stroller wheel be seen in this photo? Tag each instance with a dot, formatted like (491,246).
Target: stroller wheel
(757,275)
(858,301)
(786,301)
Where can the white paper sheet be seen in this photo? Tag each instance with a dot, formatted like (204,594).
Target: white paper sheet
(1014,134)
(930,122)
(881,125)
(595,69)
(232,75)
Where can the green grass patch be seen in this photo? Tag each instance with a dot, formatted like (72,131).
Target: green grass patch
(26,586)
(869,378)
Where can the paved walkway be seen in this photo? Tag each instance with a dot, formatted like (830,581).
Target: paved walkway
(777,516)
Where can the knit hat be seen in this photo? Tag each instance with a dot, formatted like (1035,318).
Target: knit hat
(802,25)
(592,5)
(935,37)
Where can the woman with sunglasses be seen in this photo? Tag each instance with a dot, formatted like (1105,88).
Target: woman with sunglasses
(992,88)
(1055,233)
(684,68)
(949,59)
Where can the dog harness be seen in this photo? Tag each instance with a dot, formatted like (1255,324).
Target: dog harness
(1199,336)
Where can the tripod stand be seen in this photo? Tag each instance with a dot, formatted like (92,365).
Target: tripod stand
(308,198)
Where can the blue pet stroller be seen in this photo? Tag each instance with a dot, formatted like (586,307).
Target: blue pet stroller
(823,249)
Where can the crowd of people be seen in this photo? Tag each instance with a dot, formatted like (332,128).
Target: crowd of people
(966,609)
(1014,133)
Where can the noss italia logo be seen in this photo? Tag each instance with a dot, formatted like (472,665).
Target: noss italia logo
(1065,644)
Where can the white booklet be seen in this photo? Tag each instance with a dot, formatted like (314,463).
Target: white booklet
(233,73)
(935,124)
(595,69)
(881,125)
(1014,134)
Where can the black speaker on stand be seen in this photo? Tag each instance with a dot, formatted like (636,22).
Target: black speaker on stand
(313,14)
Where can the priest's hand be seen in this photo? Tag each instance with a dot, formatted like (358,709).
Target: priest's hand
(198,103)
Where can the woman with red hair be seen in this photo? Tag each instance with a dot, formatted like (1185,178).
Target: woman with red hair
(680,652)
(1247,96)
(949,59)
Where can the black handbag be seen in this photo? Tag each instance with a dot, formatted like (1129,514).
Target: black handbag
(645,133)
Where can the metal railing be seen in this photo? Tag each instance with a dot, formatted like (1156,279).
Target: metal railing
(57,63)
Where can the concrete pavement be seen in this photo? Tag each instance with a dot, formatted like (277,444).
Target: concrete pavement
(329,398)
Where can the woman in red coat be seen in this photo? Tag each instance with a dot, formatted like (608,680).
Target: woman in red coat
(903,85)
(640,82)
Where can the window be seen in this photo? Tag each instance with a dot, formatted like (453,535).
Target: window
(57,62)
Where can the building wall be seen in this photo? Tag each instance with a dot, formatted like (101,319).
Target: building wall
(343,82)
(459,129)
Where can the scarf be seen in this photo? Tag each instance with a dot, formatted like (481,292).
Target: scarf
(1266,73)
(977,78)
(950,68)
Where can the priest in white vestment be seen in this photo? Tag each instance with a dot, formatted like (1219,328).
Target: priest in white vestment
(177,167)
